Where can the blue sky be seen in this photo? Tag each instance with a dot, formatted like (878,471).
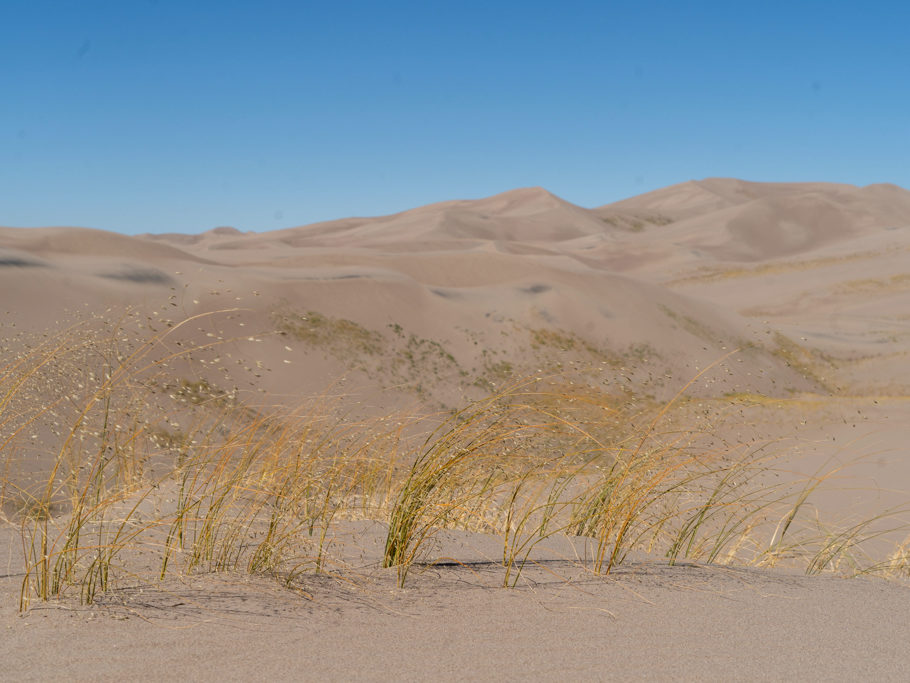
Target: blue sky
(182,115)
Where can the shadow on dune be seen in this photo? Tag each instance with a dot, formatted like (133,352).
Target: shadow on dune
(143,276)
(16,262)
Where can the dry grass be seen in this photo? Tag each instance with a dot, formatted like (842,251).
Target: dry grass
(233,488)
(706,274)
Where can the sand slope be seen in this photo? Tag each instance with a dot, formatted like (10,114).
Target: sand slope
(807,282)
(647,621)
(439,304)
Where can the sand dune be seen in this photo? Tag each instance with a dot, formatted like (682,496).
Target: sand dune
(526,281)
(67,242)
(652,289)
(806,284)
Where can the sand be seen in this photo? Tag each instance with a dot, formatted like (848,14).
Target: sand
(689,622)
(435,306)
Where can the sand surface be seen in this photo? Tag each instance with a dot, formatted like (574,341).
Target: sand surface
(688,622)
(430,308)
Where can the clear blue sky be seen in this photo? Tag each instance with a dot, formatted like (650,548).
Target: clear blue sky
(181,115)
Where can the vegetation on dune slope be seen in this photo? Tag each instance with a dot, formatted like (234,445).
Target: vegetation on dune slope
(150,476)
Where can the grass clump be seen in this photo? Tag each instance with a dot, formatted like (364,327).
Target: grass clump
(337,335)
(461,463)
(811,364)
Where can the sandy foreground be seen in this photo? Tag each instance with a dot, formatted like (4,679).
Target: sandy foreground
(646,621)
(788,303)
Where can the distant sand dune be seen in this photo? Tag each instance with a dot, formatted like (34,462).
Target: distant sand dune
(484,274)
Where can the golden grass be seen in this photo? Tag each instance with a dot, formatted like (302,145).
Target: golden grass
(258,490)
(895,283)
(708,275)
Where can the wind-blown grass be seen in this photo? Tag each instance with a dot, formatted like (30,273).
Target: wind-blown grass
(261,491)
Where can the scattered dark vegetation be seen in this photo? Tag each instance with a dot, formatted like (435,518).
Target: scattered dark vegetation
(636,223)
(198,392)
(402,360)
(338,336)
(690,325)
(812,364)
